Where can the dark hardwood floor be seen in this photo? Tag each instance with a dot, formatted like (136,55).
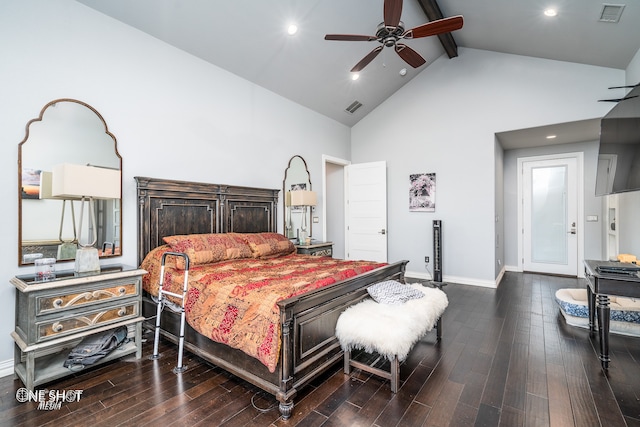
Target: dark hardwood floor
(507,358)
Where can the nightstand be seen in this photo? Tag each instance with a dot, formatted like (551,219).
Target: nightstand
(53,316)
(316,249)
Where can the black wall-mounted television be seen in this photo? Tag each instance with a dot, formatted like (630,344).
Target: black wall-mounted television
(619,154)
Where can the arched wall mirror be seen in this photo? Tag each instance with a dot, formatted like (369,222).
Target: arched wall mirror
(297,218)
(72,132)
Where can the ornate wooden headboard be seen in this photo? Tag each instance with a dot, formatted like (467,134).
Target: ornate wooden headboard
(170,207)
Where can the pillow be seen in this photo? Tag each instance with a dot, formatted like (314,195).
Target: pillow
(208,248)
(268,245)
(393,292)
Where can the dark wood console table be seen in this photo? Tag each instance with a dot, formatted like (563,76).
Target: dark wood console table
(600,286)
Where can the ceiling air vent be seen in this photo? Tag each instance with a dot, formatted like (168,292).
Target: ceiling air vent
(611,12)
(353,107)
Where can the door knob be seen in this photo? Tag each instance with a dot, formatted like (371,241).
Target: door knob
(383,231)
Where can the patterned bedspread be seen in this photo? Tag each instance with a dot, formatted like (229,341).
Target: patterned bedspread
(234,302)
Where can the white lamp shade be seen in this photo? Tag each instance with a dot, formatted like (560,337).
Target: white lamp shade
(45,185)
(71,181)
(303,198)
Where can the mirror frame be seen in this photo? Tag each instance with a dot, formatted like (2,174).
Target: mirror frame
(26,138)
(284,195)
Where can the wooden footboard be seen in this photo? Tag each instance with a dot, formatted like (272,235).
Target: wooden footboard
(309,346)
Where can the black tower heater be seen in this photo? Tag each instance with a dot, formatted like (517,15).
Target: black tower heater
(437,250)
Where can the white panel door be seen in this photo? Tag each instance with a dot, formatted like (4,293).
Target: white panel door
(366,195)
(550,214)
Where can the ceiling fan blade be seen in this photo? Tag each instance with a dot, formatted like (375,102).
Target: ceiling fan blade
(409,55)
(617,99)
(350,37)
(439,26)
(625,87)
(392,12)
(366,60)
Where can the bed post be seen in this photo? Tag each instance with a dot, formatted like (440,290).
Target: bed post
(285,395)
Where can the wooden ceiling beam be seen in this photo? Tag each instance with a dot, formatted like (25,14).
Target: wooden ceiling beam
(433,12)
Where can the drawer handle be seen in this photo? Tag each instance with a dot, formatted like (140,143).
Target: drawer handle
(57,303)
(122,290)
(57,327)
(122,311)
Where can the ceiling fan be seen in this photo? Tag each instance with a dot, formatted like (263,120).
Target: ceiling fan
(624,98)
(390,32)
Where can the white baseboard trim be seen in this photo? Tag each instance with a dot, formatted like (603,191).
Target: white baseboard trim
(454,279)
(500,276)
(6,368)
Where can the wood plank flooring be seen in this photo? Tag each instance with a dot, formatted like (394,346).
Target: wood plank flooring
(507,358)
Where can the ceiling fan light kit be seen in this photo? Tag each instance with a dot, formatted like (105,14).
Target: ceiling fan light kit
(391,31)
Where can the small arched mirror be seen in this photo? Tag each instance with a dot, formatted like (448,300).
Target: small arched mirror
(72,132)
(297,218)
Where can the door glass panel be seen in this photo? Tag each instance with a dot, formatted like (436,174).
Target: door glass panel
(549,215)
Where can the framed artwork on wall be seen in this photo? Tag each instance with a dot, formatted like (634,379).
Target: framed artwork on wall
(422,192)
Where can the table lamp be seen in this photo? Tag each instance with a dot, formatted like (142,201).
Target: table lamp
(303,198)
(86,183)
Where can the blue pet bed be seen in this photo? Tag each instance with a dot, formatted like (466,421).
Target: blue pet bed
(625,312)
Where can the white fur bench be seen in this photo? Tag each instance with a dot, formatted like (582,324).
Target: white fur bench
(389,330)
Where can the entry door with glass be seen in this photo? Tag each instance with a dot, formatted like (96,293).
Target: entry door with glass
(550,216)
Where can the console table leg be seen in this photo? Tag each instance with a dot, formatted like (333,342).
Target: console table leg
(591,301)
(604,313)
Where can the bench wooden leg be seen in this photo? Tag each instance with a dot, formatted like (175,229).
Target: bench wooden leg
(395,374)
(347,362)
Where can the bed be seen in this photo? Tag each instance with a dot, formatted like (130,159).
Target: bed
(308,345)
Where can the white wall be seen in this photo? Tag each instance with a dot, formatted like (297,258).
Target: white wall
(444,121)
(335,207)
(632,76)
(174,116)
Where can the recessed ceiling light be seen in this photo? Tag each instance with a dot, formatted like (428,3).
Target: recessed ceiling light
(355,76)
(550,12)
(292,29)
(551,136)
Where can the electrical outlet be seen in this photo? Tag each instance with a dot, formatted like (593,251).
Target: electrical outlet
(426,260)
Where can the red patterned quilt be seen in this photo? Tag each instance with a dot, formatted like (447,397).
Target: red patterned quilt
(234,302)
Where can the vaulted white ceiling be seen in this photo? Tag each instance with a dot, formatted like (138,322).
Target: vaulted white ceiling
(249,38)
